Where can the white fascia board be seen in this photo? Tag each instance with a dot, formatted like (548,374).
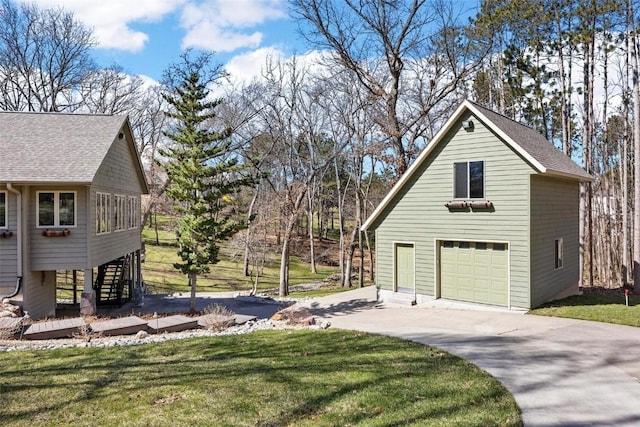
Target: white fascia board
(409,173)
(535,163)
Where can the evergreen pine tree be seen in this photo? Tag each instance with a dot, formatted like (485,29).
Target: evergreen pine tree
(202,171)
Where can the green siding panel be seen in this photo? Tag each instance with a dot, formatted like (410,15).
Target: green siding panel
(554,214)
(418,213)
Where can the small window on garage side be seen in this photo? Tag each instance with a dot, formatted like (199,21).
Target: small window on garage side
(481,246)
(499,246)
(558,253)
(3,209)
(447,244)
(464,245)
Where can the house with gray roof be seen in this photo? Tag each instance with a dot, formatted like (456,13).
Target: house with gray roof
(70,187)
(488,213)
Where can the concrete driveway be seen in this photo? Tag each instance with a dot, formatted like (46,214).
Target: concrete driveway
(562,372)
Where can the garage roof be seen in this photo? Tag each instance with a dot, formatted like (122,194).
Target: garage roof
(543,156)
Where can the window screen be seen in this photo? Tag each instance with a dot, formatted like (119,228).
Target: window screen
(461,180)
(476,180)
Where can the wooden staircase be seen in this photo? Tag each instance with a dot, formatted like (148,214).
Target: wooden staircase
(111,283)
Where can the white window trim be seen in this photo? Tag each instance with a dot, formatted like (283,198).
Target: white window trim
(6,210)
(120,212)
(133,213)
(56,209)
(558,253)
(484,187)
(99,195)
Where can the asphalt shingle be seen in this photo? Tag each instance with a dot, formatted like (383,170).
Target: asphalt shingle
(54,147)
(531,141)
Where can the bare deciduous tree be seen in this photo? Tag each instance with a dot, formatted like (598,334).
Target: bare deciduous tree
(409,55)
(44,57)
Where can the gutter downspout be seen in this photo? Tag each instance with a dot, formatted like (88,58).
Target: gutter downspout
(19,242)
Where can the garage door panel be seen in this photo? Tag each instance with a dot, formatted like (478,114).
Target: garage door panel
(474,272)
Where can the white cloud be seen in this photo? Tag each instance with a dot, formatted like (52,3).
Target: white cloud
(218,25)
(110,19)
(244,68)
(249,66)
(226,25)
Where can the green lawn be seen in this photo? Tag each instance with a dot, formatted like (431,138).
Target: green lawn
(610,308)
(227,275)
(273,378)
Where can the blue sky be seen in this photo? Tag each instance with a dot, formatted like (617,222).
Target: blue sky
(144,36)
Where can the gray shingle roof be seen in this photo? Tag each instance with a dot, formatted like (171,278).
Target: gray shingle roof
(54,147)
(543,156)
(533,143)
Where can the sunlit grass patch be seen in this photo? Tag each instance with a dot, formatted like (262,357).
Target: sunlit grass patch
(274,378)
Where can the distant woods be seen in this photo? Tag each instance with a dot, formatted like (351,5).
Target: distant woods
(327,133)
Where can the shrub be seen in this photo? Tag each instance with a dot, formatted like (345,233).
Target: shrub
(218,317)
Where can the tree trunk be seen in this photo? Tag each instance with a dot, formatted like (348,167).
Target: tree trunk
(341,255)
(312,248)
(248,233)
(636,167)
(361,267)
(625,172)
(371,260)
(349,260)
(155,220)
(192,283)
(357,227)
(565,114)
(283,289)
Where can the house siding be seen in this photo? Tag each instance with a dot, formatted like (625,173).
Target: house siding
(117,175)
(40,294)
(57,253)
(418,214)
(118,169)
(9,247)
(554,209)
(108,246)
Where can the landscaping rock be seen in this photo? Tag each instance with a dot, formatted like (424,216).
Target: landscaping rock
(308,321)
(325,324)
(120,341)
(9,310)
(142,335)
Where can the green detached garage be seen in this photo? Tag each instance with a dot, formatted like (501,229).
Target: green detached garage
(487,214)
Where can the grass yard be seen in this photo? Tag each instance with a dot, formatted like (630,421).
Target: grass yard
(227,275)
(273,378)
(599,307)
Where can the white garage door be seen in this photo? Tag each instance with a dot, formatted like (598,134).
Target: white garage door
(474,271)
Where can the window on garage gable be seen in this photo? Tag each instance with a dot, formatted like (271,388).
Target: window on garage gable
(468,180)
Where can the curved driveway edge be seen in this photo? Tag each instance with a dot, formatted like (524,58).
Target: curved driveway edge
(562,372)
